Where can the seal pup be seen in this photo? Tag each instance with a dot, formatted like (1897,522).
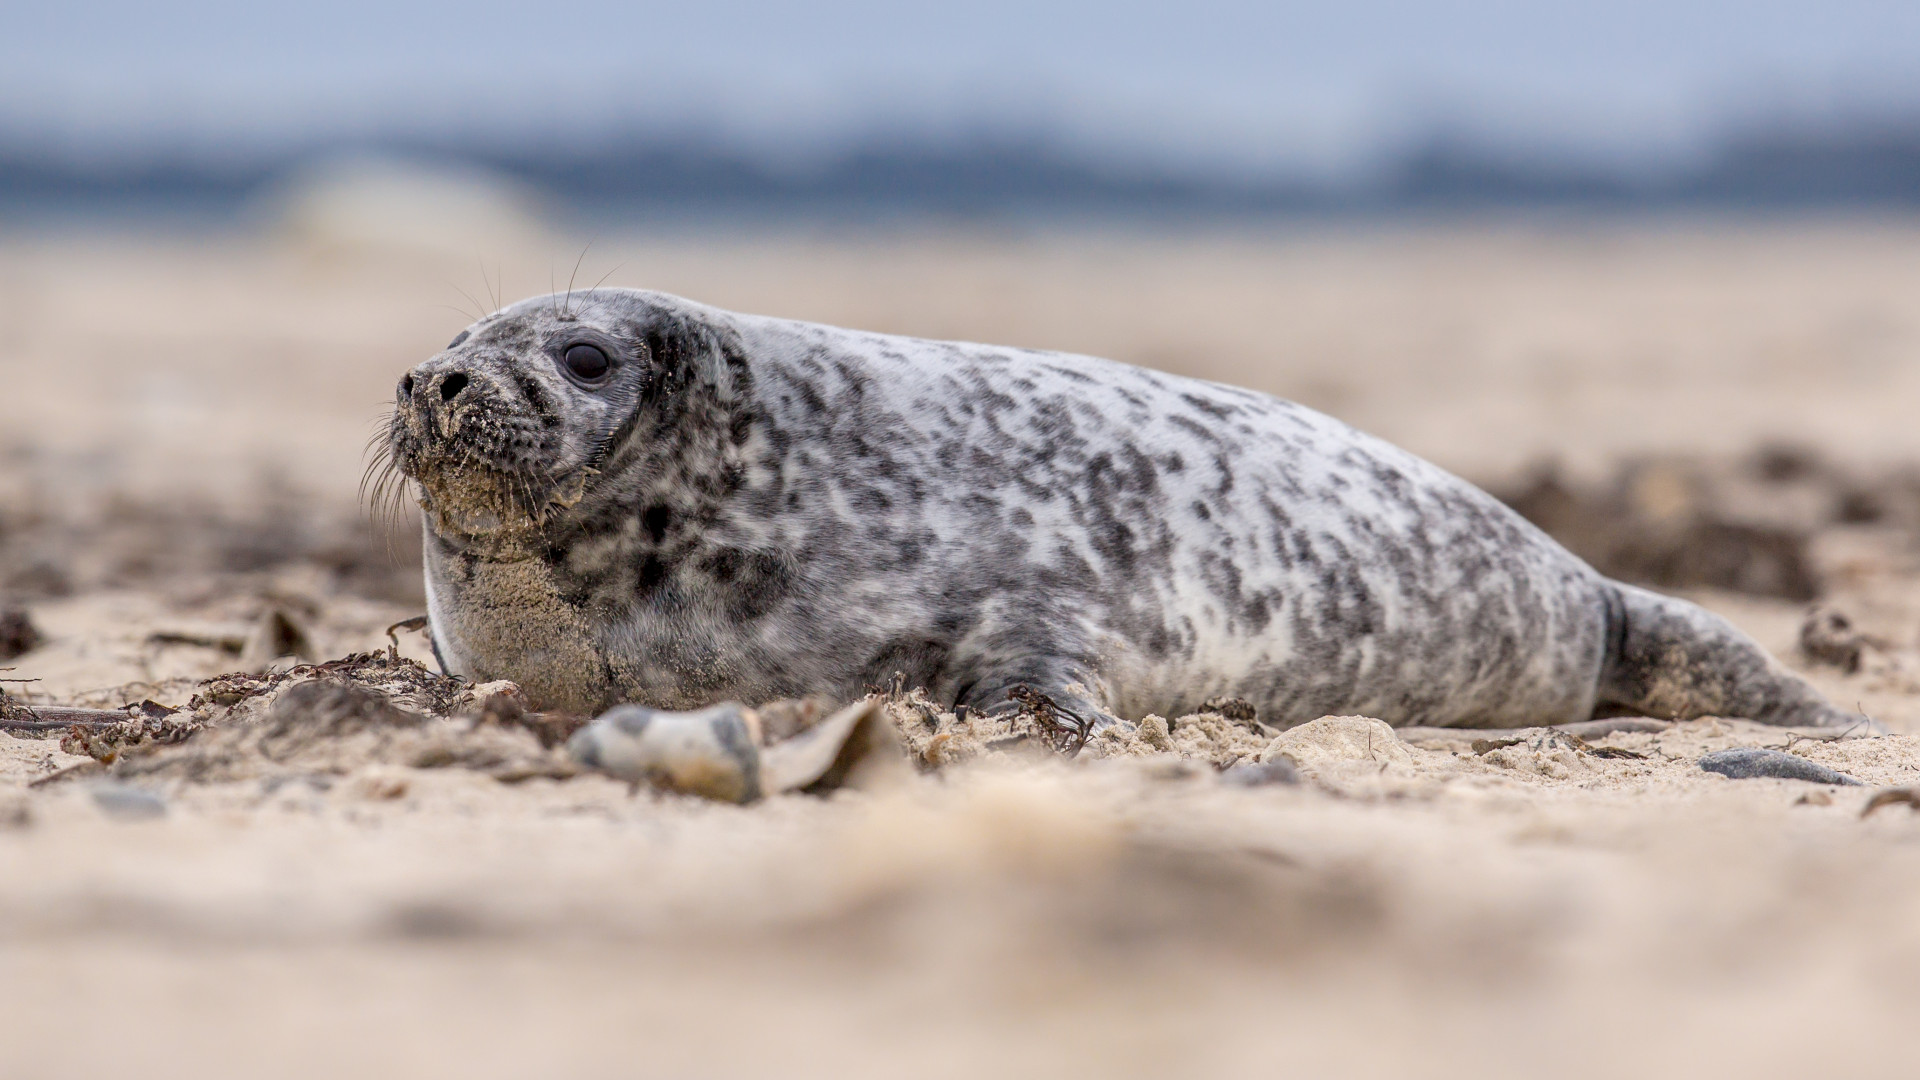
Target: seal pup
(631,497)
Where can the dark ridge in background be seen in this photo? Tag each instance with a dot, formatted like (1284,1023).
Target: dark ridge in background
(1866,164)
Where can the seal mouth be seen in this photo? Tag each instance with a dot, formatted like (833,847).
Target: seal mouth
(474,470)
(472,499)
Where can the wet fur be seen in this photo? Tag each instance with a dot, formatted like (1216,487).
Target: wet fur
(755,508)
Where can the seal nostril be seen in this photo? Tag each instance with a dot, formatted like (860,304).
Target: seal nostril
(451,386)
(406,387)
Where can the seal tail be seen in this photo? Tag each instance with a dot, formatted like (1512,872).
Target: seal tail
(1670,659)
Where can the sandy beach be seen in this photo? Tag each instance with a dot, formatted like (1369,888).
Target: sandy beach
(180,459)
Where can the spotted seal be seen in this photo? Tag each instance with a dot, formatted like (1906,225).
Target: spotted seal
(631,497)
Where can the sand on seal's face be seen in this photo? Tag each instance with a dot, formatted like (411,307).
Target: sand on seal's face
(1407,909)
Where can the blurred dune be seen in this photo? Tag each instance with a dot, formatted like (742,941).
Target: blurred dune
(374,206)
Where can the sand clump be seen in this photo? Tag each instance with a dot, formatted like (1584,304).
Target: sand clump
(326,720)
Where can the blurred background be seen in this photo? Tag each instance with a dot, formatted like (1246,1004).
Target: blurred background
(852,111)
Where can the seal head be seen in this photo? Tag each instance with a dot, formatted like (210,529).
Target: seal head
(528,441)
(507,425)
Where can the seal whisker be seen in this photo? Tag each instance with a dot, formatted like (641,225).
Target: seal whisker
(380,487)
(478,307)
(604,277)
(566,308)
(487,282)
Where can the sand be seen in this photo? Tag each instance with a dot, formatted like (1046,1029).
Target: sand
(178,471)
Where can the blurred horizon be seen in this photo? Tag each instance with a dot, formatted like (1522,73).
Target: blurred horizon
(1066,108)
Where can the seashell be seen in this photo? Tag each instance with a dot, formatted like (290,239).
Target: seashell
(715,753)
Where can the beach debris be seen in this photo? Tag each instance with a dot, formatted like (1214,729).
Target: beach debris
(500,704)
(857,747)
(319,709)
(1239,710)
(1556,738)
(1260,773)
(1678,522)
(1752,762)
(106,742)
(1333,739)
(1066,730)
(715,752)
(316,725)
(22,717)
(1154,731)
(378,783)
(327,719)
(1908,796)
(1580,729)
(782,720)
(418,622)
(124,802)
(18,635)
(1828,637)
(275,634)
(405,681)
(231,644)
(711,752)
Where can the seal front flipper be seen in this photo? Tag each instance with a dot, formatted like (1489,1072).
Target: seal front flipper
(1675,660)
(1060,695)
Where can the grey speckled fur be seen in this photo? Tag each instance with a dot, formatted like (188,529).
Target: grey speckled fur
(752,508)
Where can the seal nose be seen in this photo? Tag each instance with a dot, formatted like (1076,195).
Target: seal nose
(426,389)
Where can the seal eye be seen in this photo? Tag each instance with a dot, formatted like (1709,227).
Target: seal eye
(586,363)
(458,338)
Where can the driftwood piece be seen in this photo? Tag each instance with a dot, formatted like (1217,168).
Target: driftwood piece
(18,717)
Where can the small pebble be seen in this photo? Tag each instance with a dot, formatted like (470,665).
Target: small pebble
(1747,763)
(123,802)
(1261,774)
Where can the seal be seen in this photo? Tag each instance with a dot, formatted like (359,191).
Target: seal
(633,498)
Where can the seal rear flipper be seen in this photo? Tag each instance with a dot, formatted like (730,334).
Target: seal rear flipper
(1671,659)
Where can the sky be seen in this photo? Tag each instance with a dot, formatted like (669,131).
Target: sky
(1303,87)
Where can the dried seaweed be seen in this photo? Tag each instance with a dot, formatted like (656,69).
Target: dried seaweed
(106,744)
(1908,796)
(1063,729)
